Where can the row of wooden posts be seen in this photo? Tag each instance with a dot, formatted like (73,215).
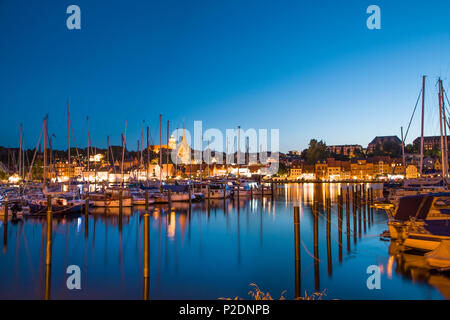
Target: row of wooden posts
(48,259)
(359,200)
(49,216)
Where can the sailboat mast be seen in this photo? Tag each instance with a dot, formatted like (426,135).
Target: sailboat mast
(141,162)
(167,153)
(148,153)
(444,120)
(88,148)
(176,162)
(239,151)
(68,138)
(107,153)
(160,150)
(442,138)
(23,156)
(20,151)
(123,151)
(403,152)
(421,130)
(45,148)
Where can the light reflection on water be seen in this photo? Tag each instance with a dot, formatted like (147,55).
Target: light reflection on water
(214,251)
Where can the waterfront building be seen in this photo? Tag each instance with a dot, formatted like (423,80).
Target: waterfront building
(430,143)
(171,146)
(321,170)
(362,170)
(349,150)
(295,172)
(380,140)
(183,150)
(411,172)
(164,171)
(381,166)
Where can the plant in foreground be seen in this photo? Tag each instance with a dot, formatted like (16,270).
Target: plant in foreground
(257,294)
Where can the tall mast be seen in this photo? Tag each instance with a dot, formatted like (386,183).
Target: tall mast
(443,166)
(421,131)
(209,158)
(20,151)
(107,153)
(167,153)
(148,153)
(403,152)
(23,156)
(68,136)
(444,120)
(45,148)
(50,144)
(239,151)
(226,158)
(160,150)
(88,149)
(123,151)
(141,162)
(176,162)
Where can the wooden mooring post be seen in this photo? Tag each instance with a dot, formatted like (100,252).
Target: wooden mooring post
(86,215)
(355,220)
(297,252)
(316,248)
(272,190)
(169,198)
(5,213)
(5,226)
(329,258)
(340,211)
(120,204)
(48,251)
(146,249)
(190,197)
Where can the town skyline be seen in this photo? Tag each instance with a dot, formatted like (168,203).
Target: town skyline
(304,77)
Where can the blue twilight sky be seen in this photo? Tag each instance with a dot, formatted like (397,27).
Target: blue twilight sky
(310,68)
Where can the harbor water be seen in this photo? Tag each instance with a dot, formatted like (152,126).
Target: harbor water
(216,249)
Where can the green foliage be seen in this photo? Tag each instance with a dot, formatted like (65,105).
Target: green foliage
(317,151)
(38,170)
(433,153)
(409,148)
(282,169)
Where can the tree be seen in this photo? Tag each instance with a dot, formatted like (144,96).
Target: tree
(316,151)
(409,148)
(37,172)
(282,169)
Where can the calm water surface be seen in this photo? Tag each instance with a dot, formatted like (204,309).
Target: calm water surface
(214,251)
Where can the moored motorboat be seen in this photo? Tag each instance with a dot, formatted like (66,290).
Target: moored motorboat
(111,198)
(59,206)
(422,222)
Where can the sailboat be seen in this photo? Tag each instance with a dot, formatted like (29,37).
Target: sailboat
(422,221)
(424,185)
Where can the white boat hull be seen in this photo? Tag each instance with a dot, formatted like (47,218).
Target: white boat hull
(425,242)
(126,202)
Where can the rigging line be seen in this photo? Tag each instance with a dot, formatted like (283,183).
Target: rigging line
(352,232)
(448,102)
(309,253)
(412,116)
(35,151)
(73,136)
